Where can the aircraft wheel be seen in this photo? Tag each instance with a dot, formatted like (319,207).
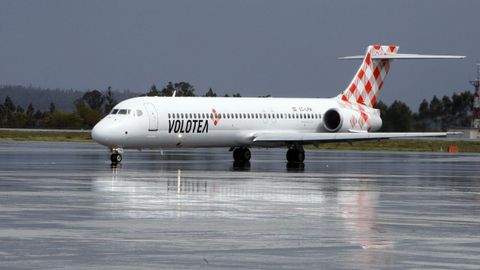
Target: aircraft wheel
(116,158)
(246,154)
(237,154)
(295,155)
(300,156)
(291,155)
(242,154)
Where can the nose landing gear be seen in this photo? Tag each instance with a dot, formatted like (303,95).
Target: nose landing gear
(116,156)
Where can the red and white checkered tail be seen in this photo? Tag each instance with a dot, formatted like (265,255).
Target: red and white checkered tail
(369,79)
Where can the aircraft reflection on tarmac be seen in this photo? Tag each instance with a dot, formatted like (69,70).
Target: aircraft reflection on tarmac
(238,166)
(253,195)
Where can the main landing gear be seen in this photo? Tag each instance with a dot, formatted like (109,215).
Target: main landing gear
(296,155)
(116,156)
(241,154)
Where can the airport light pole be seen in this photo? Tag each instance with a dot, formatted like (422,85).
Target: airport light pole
(476,100)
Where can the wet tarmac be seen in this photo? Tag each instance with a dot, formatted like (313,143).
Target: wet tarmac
(62,206)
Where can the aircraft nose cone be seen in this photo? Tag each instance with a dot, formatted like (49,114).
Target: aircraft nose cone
(99,133)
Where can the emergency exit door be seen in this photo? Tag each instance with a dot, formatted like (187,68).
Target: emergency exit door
(152,117)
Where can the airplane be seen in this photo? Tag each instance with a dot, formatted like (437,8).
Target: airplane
(243,123)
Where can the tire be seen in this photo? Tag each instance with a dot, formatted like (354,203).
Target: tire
(237,155)
(246,154)
(294,155)
(301,156)
(291,155)
(116,158)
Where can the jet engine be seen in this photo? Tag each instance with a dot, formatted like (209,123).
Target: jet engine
(351,120)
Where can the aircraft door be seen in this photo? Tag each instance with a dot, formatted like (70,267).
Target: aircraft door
(152,117)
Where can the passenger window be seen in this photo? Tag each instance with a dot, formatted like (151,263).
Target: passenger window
(114,111)
(169,116)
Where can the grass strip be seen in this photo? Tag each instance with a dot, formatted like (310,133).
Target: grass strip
(404,145)
(44,136)
(382,145)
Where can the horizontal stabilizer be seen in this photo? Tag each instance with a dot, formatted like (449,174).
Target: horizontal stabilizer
(403,56)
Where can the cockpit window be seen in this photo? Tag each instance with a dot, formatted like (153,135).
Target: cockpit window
(139,112)
(114,111)
(122,111)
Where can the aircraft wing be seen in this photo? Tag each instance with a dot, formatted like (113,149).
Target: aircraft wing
(339,137)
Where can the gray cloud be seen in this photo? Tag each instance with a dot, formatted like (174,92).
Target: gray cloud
(283,48)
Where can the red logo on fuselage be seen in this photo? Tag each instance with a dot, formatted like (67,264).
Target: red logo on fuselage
(215,117)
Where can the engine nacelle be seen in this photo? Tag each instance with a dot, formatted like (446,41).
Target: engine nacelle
(346,120)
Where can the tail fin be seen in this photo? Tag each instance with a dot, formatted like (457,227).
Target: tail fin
(368,80)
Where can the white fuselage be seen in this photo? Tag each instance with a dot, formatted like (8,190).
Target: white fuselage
(239,123)
(165,122)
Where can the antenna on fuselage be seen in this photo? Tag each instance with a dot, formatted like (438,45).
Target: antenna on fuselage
(174,92)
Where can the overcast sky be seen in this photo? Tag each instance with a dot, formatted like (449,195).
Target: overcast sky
(282,48)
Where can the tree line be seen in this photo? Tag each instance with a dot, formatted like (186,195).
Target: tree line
(41,98)
(90,108)
(181,89)
(434,115)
